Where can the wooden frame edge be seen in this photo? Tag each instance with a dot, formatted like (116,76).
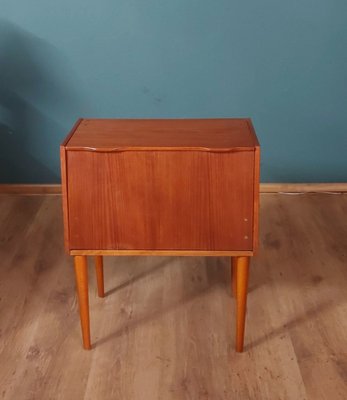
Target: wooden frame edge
(64,197)
(72,131)
(203,253)
(39,189)
(64,184)
(256,195)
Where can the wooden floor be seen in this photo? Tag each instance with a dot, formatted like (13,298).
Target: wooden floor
(166,327)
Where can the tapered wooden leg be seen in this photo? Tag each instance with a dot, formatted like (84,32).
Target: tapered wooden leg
(233,276)
(81,272)
(99,269)
(242,270)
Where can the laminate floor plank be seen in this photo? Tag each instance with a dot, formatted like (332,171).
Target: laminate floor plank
(166,328)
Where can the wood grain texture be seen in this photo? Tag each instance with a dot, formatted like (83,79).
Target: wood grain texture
(164,329)
(160,200)
(164,134)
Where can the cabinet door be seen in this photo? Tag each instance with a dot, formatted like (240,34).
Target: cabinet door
(160,200)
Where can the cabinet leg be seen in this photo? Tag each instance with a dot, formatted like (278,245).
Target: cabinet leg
(99,269)
(81,272)
(242,271)
(233,276)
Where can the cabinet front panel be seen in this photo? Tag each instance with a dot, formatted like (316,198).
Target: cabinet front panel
(160,200)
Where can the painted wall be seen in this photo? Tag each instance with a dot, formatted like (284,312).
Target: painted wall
(283,63)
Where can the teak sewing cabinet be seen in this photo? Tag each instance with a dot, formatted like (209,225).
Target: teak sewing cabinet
(175,187)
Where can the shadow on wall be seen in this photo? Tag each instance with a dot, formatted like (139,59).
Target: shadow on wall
(34,98)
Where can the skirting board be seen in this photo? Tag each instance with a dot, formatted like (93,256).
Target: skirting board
(303,187)
(28,189)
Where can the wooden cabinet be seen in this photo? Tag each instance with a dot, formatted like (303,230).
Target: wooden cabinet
(161,187)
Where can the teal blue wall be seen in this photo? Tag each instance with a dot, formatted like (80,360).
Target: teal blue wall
(283,63)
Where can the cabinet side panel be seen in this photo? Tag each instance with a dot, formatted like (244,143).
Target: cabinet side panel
(161,200)
(64,197)
(256,199)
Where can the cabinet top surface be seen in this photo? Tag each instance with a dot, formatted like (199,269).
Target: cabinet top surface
(171,134)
